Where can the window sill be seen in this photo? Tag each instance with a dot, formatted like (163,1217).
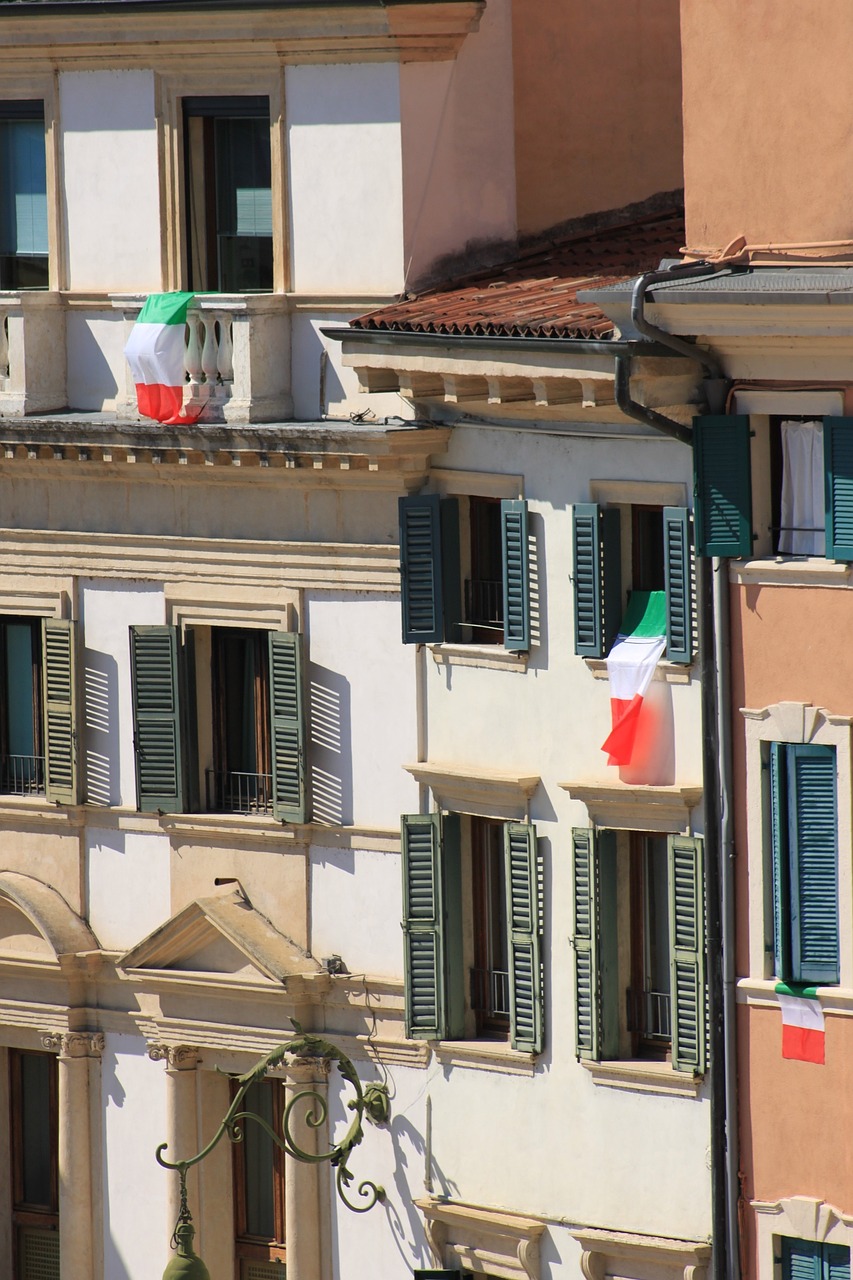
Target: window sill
(492,657)
(671,672)
(762,992)
(642,1076)
(485,1055)
(791,571)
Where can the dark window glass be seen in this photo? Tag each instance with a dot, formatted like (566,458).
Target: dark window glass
(242,774)
(21,746)
(490,976)
(647,570)
(259,1180)
(649,1011)
(484,602)
(23,197)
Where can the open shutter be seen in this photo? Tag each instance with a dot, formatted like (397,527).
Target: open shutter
(157,736)
(287,723)
(779,850)
(838,473)
(516,575)
(813,846)
(423,912)
(524,938)
(723,486)
(678,577)
(59,663)
(420,569)
(587,1003)
(597,578)
(687,964)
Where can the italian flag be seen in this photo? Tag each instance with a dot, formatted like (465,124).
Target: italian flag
(631,664)
(803,1035)
(155,353)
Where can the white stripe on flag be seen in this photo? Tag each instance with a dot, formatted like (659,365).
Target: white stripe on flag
(631,664)
(799,1012)
(155,353)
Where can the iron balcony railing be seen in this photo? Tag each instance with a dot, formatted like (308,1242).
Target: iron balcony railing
(22,775)
(484,604)
(649,1014)
(231,792)
(490,992)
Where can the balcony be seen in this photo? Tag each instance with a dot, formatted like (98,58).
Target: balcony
(21,775)
(32,353)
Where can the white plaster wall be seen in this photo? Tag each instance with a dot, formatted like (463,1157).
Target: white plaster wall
(322,386)
(356,898)
(345,179)
(108,147)
(129,885)
(97,371)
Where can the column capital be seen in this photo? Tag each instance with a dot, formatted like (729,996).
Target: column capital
(75,1044)
(302,1071)
(178,1057)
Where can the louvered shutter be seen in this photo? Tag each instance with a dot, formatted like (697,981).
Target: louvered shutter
(423,913)
(59,663)
(516,575)
(597,578)
(421,583)
(678,577)
(836,1262)
(524,937)
(801,1259)
(687,964)
(779,851)
(813,844)
(157,735)
(587,1004)
(38,1252)
(723,486)
(287,724)
(838,477)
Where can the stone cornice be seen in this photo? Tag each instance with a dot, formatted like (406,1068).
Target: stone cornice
(619,807)
(508,1243)
(495,794)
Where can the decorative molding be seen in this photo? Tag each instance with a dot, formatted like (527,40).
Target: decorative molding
(489,795)
(179,1057)
(644,1077)
(505,1245)
(793,721)
(617,807)
(800,1217)
(75,1044)
(485,1055)
(657,493)
(480,484)
(488,657)
(631,1256)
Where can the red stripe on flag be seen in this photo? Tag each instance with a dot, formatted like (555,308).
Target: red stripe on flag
(803,1044)
(165,404)
(624,717)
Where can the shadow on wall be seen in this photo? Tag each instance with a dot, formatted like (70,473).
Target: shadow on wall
(103,786)
(410,1237)
(330,739)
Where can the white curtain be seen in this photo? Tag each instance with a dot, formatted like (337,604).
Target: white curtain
(802,490)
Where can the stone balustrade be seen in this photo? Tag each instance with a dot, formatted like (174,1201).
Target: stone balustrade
(32,353)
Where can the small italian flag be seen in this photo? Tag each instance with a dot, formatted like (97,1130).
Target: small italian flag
(631,664)
(155,353)
(803,1035)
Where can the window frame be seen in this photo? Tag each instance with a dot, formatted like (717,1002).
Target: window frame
(29,111)
(44,88)
(249,1248)
(24,1216)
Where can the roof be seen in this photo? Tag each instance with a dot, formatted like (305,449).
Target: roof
(763,286)
(536,294)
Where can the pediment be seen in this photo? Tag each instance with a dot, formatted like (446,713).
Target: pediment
(37,922)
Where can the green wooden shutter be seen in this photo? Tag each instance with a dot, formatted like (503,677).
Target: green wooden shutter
(813,847)
(157,730)
(838,479)
(421,583)
(423,917)
(687,964)
(779,852)
(516,575)
(524,938)
(801,1259)
(678,577)
(587,1004)
(836,1262)
(723,486)
(59,663)
(287,724)
(597,578)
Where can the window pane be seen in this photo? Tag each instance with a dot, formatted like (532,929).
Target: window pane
(23,205)
(259,1157)
(657,916)
(19,689)
(243,204)
(35,1129)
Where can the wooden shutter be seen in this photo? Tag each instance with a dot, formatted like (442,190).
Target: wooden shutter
(836,1262)
(597,578)
(838,476)
(157,730)
(801,1259)
(59,664)
(678,577)
(687,962)
(779,852)
(423,927)
(587,1004)
(516,575)
(813,846)
(723,486)
(524,939)
(421,582)
(287,726)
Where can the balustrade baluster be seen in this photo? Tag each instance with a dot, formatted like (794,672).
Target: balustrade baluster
(208,351)
(4,344)
(225,365)
(192,353)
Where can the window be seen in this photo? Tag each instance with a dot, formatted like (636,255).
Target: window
(241,778)
(35,1172)
(798,504)
(482,542)
(660,559)
(259,1208)
(38,741)
(639,947)
(804,846)
(23,196)
(229,194)
(810,1260)
(448,862)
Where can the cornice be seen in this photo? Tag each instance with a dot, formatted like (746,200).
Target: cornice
(462,790)
(616,806)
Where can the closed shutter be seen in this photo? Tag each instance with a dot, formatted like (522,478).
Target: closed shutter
(516,575)
(801,1259)
(597,578)
(157,736)
(723,486)
(38,1253)
(687,963)
(524,938)
(678,576)
(423,911)
(836,1262)
(287,724)
(838,472)
(813,844)
(421,570)
(587,1005)
(779,851)
(59,663)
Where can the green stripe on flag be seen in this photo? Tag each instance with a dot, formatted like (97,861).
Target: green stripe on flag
(789,989)
(165,308)
(645,615)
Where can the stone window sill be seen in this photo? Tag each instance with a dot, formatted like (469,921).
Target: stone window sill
(671,672)
(643,1076)
(485,1055)
(791,571)
(492,657)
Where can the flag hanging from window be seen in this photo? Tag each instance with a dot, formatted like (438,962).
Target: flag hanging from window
(155,353)
(803,1032)
(631,664)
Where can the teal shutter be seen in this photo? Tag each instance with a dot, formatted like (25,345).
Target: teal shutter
(597,578)
(813,848)
(59,662)
(587,1004)
(516,575)
(723,486)
(838,478)
(524,938)
(801,1259)
(421,582)
(287,724)
(779,852)
(432,926)
(678,577)
(157,736)
(687,963)
(836,1262)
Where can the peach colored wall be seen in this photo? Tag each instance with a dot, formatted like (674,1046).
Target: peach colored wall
(768,100)
(598,106)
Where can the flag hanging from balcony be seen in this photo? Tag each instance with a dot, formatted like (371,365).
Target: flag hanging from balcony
(631,664)
(803,1034)
(155,353)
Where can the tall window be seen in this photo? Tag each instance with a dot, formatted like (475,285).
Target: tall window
(241,732)
(649,1013)
(23,196)
(21,735)
(35,1174)
(228,194)
(259,1188)
(490,972)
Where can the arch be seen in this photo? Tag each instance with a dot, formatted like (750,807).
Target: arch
(62,929)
